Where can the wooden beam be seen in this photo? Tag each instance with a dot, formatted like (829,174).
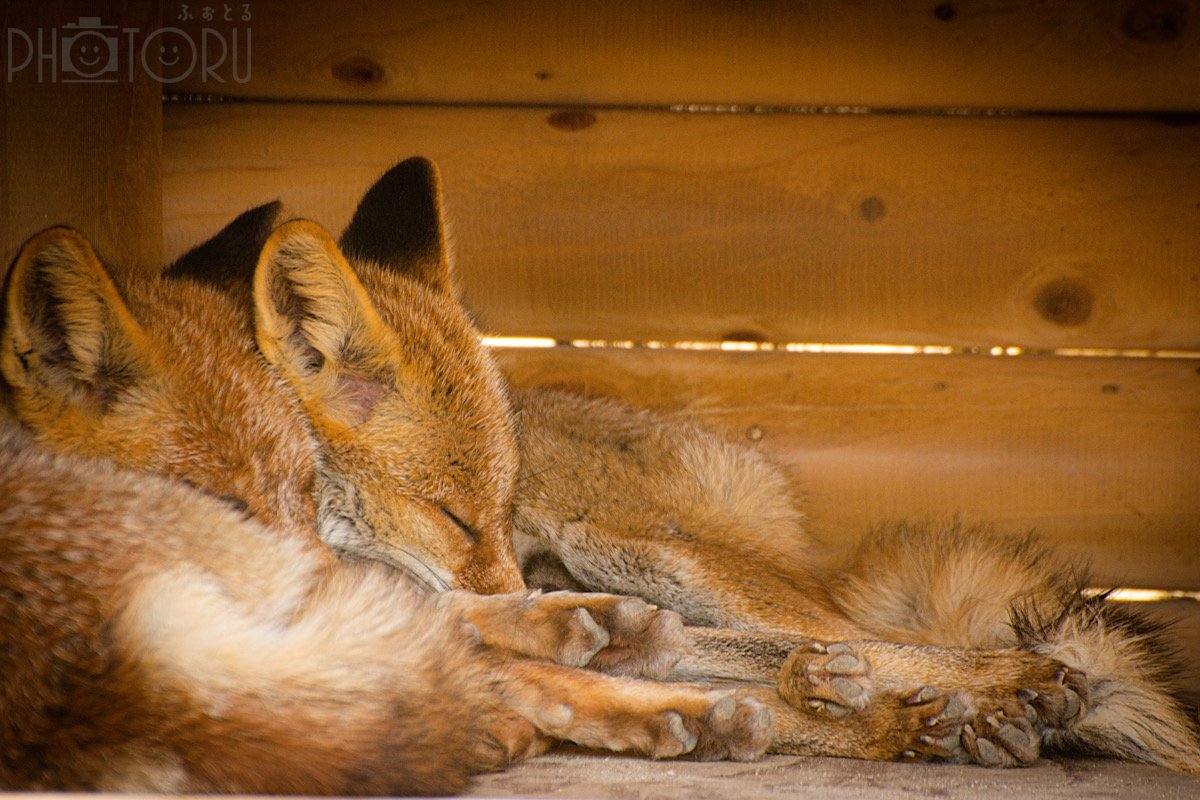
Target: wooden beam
(1137,54)
(82,147)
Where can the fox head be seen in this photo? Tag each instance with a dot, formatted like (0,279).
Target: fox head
(139,377)
(418,455)
(377,405)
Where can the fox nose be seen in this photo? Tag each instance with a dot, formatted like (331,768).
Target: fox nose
(493,572)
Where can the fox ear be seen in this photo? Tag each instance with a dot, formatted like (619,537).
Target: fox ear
(315,324)
(229,258)
(399,225)
(67,335)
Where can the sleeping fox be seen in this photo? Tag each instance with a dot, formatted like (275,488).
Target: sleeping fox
(946,643)
(170,617)
(615,499)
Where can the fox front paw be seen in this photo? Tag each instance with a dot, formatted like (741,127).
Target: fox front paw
(735,727)
(618,635)
(830,679)
(958,728)
(643,641)
(708,726)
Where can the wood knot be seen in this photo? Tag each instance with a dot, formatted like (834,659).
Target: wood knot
(1065,301)
(872,208)
(1155,21)
(945,12)
(571,120)
(358,71)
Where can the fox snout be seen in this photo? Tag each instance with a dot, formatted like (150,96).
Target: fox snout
(494,573)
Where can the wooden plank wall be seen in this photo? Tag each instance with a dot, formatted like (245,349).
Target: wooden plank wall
(1095,453)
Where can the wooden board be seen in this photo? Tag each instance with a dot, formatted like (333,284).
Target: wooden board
(1041,233)
(1112,54)
(1183,618)
(85,154)
(1100,455)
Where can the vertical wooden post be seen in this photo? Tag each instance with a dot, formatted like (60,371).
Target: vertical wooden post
(82,146)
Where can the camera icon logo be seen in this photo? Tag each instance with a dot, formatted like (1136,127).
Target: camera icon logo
(89,54)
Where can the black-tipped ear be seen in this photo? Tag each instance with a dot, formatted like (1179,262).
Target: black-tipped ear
(398,225)
(228,259)
(67,337)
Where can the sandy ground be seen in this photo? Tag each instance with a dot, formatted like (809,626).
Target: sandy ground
(572,775)
(588,776)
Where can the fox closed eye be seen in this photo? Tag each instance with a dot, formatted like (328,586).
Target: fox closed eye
(233,501)
(462,526)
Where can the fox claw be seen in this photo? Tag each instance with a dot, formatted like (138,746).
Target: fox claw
(1062,701)
(1009,743)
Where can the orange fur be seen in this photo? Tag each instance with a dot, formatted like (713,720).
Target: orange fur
(191,632)
(615,500)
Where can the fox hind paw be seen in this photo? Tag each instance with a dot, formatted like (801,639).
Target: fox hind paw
(1061,702)
(950,727)
(831,679)
(623,636)
(721,725)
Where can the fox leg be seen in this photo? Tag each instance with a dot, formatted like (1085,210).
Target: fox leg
(997,704)
(891,729)
(666,720)
(1009,696)
(661,720)
(970,587)
(614,634)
